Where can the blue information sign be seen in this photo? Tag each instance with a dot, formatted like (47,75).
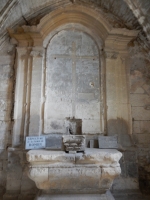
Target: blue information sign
(35,142)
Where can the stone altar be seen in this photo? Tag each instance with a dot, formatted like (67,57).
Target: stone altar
(74,176)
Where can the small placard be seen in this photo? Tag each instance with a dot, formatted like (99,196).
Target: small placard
(35,142)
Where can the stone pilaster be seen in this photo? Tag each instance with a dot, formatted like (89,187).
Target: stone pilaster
(20,94)
(35,127)
(117,96)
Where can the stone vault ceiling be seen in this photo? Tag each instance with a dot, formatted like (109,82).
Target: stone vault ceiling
(130,14)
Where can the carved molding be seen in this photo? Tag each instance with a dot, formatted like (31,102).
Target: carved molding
(37,52)
(111,55)
(36,35)
(97,167)
(22,51)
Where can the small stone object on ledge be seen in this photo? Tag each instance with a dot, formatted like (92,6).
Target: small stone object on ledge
(73,126)
(74,143)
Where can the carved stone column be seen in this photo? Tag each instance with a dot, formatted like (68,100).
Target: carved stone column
(36,91)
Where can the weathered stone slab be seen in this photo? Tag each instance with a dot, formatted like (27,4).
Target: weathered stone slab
(50,157)
(74,178)
(108,142)
(54,142)
(92,171)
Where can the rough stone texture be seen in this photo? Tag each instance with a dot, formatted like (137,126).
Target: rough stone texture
(54,142)
(74,143)
(60,172)
(76,92)
(140,101)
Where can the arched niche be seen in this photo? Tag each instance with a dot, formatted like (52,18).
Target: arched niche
(73,82)
(32,43)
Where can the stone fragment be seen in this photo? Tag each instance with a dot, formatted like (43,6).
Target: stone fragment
(74,142)
(73,126)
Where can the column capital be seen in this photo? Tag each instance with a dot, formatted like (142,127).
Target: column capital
(111,54)
(22,51)
(37,51)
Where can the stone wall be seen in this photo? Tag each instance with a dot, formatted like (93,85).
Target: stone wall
(140,101)
(6,87)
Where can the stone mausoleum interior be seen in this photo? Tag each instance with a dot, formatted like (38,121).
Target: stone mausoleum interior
(74,100)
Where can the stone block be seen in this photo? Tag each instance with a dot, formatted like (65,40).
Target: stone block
(108,175)
(103,157)
(76,178)
(14,172)
(132,169)
(5,125)
(54,141)
(146,87)
(136,126)
(39,174)
(90,126)
(139,90)
(2,179)
(54,126)
(52,157)
(34,127)
(139,113)
(28,187)
(143,138)
(108,142)
(89,111)
(82,175)
(3,139)
(130,156)
(145,126)
(13,185)
(139,99)
(121,183)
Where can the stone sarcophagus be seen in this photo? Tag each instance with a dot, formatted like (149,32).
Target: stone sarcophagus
(58,172)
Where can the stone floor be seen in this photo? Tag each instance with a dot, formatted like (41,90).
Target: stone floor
(131,197)
(117,197)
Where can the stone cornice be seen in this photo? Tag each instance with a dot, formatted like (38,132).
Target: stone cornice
(115,39)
